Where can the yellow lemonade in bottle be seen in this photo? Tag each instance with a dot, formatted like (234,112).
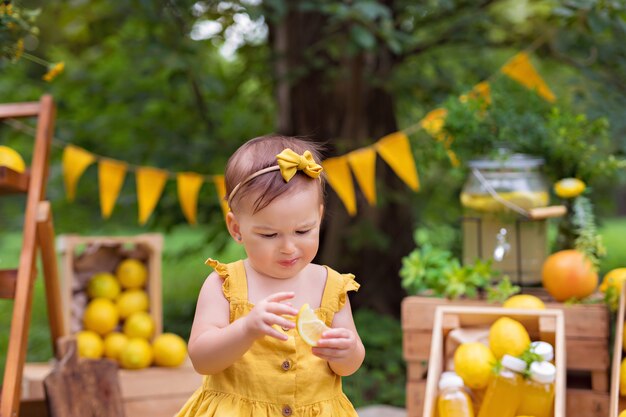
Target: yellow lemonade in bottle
(504,391)
(453,401)
(538,392)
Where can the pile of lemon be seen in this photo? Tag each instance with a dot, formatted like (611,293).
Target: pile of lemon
(117,324)
(474,361)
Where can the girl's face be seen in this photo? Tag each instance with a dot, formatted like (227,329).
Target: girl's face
(282,238)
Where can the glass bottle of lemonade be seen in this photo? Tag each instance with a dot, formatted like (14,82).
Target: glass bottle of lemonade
(453,401)
(504,391)
(538,392)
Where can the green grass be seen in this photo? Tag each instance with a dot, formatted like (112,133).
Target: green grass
(613,233)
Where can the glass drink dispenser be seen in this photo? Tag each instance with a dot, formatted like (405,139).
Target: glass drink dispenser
(496,199)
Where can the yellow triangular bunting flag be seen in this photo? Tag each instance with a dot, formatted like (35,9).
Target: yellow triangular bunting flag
(75,161)
(150,183)
(363,164)
(396,151)
(111,176)
(220,185)
(188,184)
(520,69)
(339,177)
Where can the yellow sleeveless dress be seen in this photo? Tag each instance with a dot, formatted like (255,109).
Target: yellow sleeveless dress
(274,377)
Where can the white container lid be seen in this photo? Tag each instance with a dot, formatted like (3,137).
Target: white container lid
(542,372)
(450,380)
(513,363)
(543,349)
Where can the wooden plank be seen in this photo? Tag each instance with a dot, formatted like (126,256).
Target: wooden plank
(13,182)
(17,110)
(587,354)
(617,355)
(582,321)
(485,316)
(416,345)
(586,403)
(45,239)
(152,382)
(415,391)
(22,307)
(164,406)
(8,278)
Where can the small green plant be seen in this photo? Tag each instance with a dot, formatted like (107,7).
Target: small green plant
(430,270)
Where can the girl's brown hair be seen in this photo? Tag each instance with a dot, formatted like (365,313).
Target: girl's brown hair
(260,153)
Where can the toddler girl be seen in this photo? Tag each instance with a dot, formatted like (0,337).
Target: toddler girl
(255,363)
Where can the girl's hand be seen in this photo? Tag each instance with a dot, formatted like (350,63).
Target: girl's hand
(267,312)
(336,345)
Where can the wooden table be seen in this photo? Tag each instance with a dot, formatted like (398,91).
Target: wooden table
(154,392)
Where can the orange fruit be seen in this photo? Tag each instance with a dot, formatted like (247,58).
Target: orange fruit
(309,327)
(569,274)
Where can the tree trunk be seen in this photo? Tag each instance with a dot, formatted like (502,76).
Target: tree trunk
(347,111)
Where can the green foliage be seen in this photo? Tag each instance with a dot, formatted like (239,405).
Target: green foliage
(502,290)
(434,271)
(382,377)
(16,23)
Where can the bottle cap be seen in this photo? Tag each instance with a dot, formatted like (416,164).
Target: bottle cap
(543,349)
(513,363)
(451,380)
(542,372)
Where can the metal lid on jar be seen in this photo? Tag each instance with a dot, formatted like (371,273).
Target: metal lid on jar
(505,160)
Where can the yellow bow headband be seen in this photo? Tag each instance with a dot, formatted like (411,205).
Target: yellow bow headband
(289,163)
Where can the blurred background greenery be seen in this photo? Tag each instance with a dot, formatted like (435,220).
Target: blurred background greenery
(180,84)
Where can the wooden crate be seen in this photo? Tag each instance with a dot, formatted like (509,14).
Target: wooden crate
(618,403)
(154,392)
(545,325)
(79,253)
(586,340)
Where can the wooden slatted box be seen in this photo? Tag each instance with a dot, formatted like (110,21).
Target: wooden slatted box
(545,325)
(586,340)
(79,255)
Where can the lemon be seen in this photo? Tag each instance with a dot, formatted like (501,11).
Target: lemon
(131,273)
(103,285)
(169,350)
(524,301)
(139,324)
(11,159)
(132,301)
(89,344)
(100,316)
(569,187)
(614,279)
(309,327)
(622,414)
(508,336)
(137,354)
(473,362)
(113,344)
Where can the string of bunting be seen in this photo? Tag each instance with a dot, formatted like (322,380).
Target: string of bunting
(394,149)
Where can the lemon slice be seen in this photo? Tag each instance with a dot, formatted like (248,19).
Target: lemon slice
(309,327)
